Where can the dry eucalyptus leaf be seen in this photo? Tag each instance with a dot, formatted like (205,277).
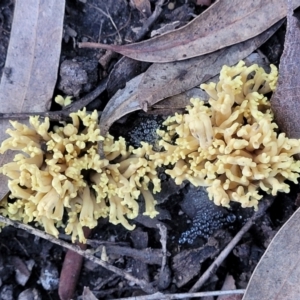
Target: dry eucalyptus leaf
(285,101)
(277,275)
(124,70)
(122,103)
(31,64)
(165,80)
(224,23)
(168,79)
(178,102)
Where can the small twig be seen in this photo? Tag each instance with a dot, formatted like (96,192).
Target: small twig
(84,101)
(161,296)
(4,30)
(22,247)
(100,30)
(163,241)
(147,255)
(145,286)
(150,21)
(215,265)
(52,115)
(164,273)
(121,28)
(142,32)
(105,281)
(106,58)
(107,14)
(59,115)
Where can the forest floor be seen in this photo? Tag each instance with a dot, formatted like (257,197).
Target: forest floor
(31,266)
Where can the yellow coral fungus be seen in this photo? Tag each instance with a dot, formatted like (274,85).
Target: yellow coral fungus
(231,146)
(70,179)
(237,150)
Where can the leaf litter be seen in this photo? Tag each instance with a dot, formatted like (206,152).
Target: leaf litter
(165,80)
(136,85)
(223,24)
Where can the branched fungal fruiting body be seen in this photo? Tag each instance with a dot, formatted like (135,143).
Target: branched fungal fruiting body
(234,150)
(231,146)
(46,186)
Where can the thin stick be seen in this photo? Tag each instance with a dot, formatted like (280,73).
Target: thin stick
(60,115)
(215,265)
(104,36)
(148,23)
(164,273)
(145,286)
(163,241)
(161,296)
(147,255)
(84,101)
(52,115)
(107,14)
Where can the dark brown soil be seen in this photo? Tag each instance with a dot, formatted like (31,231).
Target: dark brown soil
(6,16)
(31,264)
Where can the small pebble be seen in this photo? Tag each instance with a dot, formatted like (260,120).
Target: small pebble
(49,277)
(30,294)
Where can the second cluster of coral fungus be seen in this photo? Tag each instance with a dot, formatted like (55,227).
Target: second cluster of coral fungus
(231,146)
